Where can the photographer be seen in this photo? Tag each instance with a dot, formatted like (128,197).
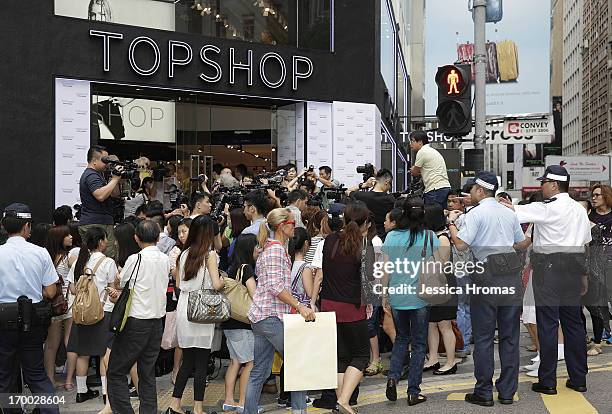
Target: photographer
(296,202)
(325,177)
(378,199)
(26,272)
(96,193)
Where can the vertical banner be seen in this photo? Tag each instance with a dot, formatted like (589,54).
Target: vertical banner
(299,134)
(518,166)
(72,137)
(319,138)
(285,129)
(357,139)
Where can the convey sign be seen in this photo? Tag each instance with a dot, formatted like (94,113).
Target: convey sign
(533,127)
(583,167)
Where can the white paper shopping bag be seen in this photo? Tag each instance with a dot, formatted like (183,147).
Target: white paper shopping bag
(310,360)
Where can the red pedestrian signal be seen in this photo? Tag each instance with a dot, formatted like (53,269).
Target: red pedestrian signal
(454,99)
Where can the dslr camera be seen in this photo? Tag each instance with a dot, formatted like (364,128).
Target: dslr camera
(367,171)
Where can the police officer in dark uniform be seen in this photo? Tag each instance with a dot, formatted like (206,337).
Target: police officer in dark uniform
(27,276)
(561,231)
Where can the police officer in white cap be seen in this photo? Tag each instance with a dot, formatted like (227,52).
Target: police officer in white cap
(492,233)
(561,231)
(27,275)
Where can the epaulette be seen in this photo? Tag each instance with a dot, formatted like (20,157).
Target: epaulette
(549,200)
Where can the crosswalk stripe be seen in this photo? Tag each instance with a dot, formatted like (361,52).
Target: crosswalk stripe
(567,401)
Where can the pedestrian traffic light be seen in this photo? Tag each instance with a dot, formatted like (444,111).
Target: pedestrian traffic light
(454,100)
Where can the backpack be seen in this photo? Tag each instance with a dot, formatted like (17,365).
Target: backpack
(87,308)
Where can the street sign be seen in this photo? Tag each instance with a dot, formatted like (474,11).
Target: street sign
(583,167)
(529,127)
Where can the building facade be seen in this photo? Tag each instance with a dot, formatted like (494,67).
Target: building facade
(572,76)
(190,83)
(596,77)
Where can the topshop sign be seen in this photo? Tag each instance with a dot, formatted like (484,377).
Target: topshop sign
(182,54)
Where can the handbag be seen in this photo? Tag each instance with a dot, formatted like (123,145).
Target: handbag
(170,337)
(432,280)
(367,287)
(121,311)
(238,296)
(207,305)
(59,303)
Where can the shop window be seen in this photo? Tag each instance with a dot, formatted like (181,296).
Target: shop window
(273,22)
(402,93)
(387,48)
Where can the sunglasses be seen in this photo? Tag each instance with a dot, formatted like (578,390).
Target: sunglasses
(288,222)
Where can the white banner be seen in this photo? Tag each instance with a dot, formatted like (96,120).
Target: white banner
(357,136)
(583,167)
(72,138)
(529,127)
(319,138)
(285,130)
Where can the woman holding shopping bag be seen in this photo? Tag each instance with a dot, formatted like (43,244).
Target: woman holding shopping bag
(272,300)
(340,261)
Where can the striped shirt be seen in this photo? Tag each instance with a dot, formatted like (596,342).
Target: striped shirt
(273,270)
(314,242)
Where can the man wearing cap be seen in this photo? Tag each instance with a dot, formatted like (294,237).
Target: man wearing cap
(561,231)
(492,233)
(27,274)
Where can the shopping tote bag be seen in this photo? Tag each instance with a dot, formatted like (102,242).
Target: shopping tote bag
(310,360)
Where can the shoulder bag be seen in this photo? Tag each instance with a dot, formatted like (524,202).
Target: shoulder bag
(238,296)
(121,311)
(59,303)
(432,280)
(207,305)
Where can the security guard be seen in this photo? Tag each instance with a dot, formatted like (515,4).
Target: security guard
(561,230)
(492,232)
(26,275)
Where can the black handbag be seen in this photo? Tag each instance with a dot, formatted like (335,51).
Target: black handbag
(121,311)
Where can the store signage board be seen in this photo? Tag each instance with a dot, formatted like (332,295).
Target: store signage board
(495,135)
(179,53)
(583,167)
(529,127)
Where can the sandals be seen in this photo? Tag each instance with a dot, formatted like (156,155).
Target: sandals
(69,387)
(374,368)
(594,350)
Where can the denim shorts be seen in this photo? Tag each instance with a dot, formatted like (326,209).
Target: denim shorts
(241,344)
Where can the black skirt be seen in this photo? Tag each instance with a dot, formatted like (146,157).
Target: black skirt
(89,340)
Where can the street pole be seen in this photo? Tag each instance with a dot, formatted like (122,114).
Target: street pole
(480,96)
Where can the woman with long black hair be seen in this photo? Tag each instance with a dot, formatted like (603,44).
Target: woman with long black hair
(197,267)
(91,340)
(339,260)
(410,313)
(59,242)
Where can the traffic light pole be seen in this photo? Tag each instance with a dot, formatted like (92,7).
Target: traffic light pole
(480,96)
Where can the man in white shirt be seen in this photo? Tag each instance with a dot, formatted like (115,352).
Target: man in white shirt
(430,165)
(146,273)
(297,203)
(256,207)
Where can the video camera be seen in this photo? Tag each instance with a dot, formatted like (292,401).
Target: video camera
(367,171)
(274,177)
(130,169)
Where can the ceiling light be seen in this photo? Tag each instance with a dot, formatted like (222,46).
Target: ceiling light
(273,149)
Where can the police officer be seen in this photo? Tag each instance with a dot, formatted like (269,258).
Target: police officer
(492,232)
(27,275)
(561,230)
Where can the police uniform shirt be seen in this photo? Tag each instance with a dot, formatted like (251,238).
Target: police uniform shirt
(560,224)
(24,269)
(490,228)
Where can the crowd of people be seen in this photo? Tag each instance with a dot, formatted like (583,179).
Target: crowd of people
(288,256)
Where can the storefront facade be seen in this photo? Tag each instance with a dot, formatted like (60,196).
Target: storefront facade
(191,82)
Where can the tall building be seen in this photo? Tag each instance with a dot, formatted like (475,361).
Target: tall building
(556,49)
(572,76)
(596,98)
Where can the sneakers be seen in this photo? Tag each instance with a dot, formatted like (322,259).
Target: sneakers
(533,374)
(533,367)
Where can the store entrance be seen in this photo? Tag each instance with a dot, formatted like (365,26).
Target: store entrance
(178,137)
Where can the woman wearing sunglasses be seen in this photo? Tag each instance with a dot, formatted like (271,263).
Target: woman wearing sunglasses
(272,300)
